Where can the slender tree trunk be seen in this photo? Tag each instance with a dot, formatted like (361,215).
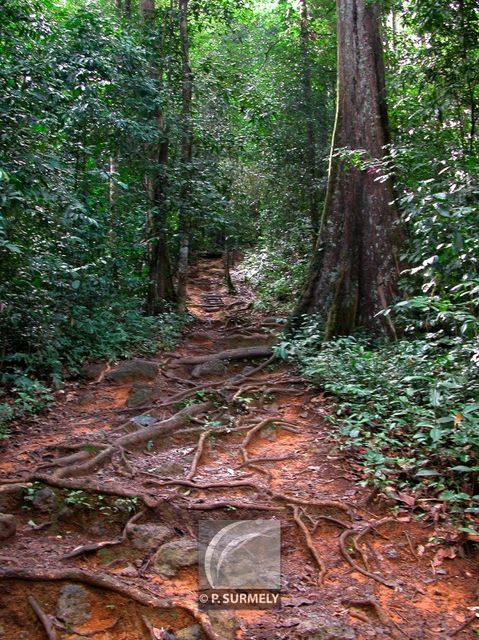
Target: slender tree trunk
(112,181)
(186,156)
(161,292)
(354,270)
(113,211)
(147,11)
(228,263)
(311,142)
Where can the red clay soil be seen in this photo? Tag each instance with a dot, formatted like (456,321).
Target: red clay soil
(352,563)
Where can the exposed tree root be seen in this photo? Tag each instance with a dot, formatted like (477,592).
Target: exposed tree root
(199,452)
(95,632)
(247,388)
(327,504)
(335,521)
(79,456)
(89,486)
(343,540)
(309,543)
(150,628)
(230,354)
(207,485)
(96,546)
(394,628)
(13,486)
(232,383)
(231,504)
(93,579)
(257,369)
(254,430)
(110,583)
(44,619)
(255,461)
(463,626)
(142,436)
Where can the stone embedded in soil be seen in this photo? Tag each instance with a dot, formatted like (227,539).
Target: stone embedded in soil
(269,433)
(215,368)
(45,500)
(391,553)
(11,497)
(8,526)
(129,571)
(315,626)
(189,633)
(139,395)
(174,555)
(73,605)
(247,370)
(225,624)
(99,529)
(169,469)
(132,371)
(85,398)
(147,537)
(92,371)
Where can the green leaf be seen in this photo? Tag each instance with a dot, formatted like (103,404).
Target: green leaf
(426,473)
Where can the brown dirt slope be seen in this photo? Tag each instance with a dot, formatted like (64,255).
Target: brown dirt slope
(242,438)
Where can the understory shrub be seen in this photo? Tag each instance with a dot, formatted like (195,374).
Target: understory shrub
(58,344)
(408,410)
(276,275)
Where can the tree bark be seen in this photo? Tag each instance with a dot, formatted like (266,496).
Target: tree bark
(354,270)
(161,292)
(186,155)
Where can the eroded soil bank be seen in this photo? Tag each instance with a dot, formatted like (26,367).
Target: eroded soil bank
(129,462)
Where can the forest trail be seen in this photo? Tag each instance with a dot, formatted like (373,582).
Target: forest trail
(253,444)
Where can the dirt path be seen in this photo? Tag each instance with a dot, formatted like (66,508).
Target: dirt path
(351,567)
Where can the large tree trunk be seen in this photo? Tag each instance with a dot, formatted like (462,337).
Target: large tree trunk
(353,272)
(186,156)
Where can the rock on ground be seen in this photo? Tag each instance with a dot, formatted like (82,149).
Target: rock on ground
(147,537)
(92,370)
(215,368)
(8,526)
(139,395)
(169,469)
(73,605)
(171,556)
(133,371)
(45,500)
(225,624)
(323,627)
(189,633)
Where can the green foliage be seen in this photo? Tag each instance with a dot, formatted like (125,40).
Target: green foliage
(77,96)
(119,331)
(106,505)
(26,397)
(409,410)
(77,499)
(276,274)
